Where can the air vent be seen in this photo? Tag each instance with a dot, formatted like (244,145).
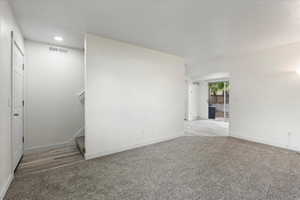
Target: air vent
(58,49)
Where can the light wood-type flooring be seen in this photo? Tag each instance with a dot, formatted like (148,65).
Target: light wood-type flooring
(48,160)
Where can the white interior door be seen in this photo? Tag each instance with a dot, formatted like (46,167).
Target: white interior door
(17,104)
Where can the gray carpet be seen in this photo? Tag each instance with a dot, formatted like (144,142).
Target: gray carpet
(187,168)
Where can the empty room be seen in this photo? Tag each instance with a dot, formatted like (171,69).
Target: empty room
(149,100)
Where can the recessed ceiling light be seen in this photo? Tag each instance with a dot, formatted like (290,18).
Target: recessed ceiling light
(58,38)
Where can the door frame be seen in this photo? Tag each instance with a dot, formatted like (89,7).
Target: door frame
(14,44)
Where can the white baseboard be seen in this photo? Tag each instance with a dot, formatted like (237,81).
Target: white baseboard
(262,141)
(6,186)
(125,148)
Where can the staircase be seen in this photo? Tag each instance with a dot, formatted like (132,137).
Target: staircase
(37,162)
(80,143)
(80,140)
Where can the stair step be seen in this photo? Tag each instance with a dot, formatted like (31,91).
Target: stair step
(80,144)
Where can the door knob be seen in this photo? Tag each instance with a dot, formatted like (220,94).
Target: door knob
(16,114)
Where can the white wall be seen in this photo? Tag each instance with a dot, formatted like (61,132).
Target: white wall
(198,96)
(7,24)
(264,96)
(186,100)
(194,96)
(53,112)
(134,96)
(203,100)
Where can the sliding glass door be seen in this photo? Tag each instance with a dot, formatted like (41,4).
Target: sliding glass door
(218,93)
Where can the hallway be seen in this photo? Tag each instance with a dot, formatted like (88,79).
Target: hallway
(206,128)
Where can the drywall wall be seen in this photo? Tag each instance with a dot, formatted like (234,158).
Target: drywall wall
(7,24)
(53,111)
(203,100)
(186,100)
(194,104)
(264,97)
(198,98)
(134,96)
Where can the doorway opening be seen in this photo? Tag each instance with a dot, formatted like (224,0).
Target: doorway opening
(208,106)
(17,103)
(53,96)
(218,100)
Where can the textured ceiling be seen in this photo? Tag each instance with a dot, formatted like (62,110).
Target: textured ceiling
(195,29)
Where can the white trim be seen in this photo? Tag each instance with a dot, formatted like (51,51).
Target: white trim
(217,80)
(125,148)
(221,76)
(262,141)
(80,132)
(6,186)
